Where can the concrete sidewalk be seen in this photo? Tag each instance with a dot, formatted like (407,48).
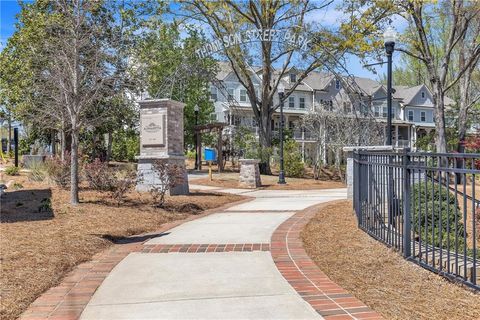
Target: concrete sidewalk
(212,284)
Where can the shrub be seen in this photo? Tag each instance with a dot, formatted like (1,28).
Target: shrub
(121,186)
(37,171)
(58,170)
(125,145)
(293,160)
(170,176)
(432,206)
(99,176)
(191,154)
(12,171)
(17,186)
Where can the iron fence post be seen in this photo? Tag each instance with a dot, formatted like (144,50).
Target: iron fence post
(407,231)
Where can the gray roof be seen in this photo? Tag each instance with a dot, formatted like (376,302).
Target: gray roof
(317,80)
(407,93)
(224,69)
(365,85)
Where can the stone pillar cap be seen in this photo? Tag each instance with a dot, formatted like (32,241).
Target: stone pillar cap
(248,161)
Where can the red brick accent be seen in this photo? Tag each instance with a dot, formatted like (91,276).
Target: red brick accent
(211,247)
(326,297)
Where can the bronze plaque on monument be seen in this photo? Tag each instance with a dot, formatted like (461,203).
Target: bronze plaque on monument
(153,130)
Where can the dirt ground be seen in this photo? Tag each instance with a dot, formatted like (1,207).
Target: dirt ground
(379,276)
(39,248)
(230,180)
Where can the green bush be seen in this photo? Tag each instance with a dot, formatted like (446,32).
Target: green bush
(293,160)
(125,145)
(435,208)
(12,171)
(191,154)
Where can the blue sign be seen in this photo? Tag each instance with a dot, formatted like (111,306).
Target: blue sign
(210,154)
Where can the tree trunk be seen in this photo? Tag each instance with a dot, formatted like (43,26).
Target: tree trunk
(439,106)
(53,138)
(462,120)
(74,168)
(9,134)
(63,144)
(109,146)
(265,139)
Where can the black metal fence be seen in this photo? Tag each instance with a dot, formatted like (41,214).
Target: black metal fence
(424,205)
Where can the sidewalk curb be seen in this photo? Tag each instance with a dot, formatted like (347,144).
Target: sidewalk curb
(329,299)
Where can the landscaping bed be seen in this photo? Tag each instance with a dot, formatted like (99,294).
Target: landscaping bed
(379,276)
(230,180)
(43,237)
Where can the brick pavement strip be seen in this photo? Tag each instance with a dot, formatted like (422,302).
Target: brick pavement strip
(326,297)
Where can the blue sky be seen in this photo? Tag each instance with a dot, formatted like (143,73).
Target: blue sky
(9,8)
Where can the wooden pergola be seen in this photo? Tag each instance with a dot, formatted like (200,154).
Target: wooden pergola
(207,128)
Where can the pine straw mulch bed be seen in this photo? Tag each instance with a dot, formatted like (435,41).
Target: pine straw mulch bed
(379,276)
(230,180)
(38,249)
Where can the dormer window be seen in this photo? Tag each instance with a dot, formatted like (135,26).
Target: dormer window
(293,78)
(337,84)
(423,94)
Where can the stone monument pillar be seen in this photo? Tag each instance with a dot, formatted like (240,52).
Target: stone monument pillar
(249,174)
(161,138)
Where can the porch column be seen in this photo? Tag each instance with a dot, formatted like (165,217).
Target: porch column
(396,135)
(414,138)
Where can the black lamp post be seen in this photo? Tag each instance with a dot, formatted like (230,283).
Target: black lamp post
(196,109)
(389,37)
(281,94)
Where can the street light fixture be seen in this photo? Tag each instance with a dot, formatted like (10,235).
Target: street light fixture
(389,38)
(196,109)
(281,94)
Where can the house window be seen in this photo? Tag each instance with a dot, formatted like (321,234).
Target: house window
(377,111)
(291,102)
(423,94)
(410,115)
(243,95)
(423,116)
(384,112)
(337,84)
(293,78)
(213,93)
(347,108)
(302,103)
(231,93)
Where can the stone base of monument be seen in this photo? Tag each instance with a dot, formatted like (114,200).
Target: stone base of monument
(161,139)
(249,174)
(148,178)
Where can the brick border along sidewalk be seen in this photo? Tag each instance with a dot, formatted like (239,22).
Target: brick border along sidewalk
(326,297)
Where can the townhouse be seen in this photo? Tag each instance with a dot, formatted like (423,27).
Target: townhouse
(413,112)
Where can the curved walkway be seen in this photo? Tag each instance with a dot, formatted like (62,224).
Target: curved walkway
(243,262)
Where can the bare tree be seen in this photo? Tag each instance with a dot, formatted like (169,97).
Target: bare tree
(461,18)
(228,17)
(468,88)
(79,72)
(328,128)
